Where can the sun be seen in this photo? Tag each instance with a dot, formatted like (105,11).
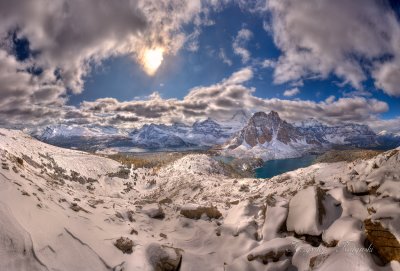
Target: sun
(151,59)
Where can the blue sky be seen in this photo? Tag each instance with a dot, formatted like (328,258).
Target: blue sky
(332,61)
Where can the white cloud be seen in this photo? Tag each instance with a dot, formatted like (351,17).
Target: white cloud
(240,76)
(219,101)
(330,99)
(268,63)
(222,100)
(387,76)
(323,37)
(69,36)
(291,92)
(389,125)
(224,58)
(240,42)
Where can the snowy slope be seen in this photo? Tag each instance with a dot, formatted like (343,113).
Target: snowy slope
(59,222)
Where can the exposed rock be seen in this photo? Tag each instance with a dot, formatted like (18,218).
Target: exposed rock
(75,207)
(353,173)
(383,240)
(261,128)
(124,244)
(165,201)
(24,193)
(20,161)
(122,173)
(193,211)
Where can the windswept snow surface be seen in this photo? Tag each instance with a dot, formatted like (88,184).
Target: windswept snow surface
(64,210)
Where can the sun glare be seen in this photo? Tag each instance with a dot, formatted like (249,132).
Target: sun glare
(151,59)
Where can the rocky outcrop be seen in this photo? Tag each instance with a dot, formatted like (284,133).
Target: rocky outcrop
(196,212)
(267,136)
(263,127)
(383,241)
(124,244)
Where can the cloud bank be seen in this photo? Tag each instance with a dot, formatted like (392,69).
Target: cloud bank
(221,101)
(349,39)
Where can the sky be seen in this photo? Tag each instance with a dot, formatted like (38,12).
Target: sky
(125,63)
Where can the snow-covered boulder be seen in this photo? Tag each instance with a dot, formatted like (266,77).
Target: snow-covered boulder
(274,218)
(272,255)
(163,257)
(306,211)
(344,229)
(153,210)
(242,218)
(357,187)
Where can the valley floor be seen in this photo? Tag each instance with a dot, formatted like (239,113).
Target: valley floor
(68,210)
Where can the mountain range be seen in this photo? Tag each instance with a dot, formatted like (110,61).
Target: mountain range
(269,137)
(262,135)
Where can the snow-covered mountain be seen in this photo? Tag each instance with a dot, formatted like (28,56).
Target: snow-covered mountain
(356,135)
(69,210)
(238,120)
(267,136)
(153,136)
(85,137)
(388,139)
(75,130)
(204,133)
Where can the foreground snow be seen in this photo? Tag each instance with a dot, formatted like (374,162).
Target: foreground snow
(67,210)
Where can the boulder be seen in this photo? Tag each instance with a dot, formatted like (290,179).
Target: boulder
(306,212)
(357,187)
(153,210)
(124,244)
(243,218)
(386,244)
(194,211)
(163,258)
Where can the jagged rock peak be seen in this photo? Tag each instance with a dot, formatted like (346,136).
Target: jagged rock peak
(273,116)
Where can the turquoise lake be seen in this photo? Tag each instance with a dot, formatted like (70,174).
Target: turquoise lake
(275,167)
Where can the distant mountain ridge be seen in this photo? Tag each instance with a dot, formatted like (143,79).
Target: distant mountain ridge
(269,137)
(202,134)
(262,135)
(357,135)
